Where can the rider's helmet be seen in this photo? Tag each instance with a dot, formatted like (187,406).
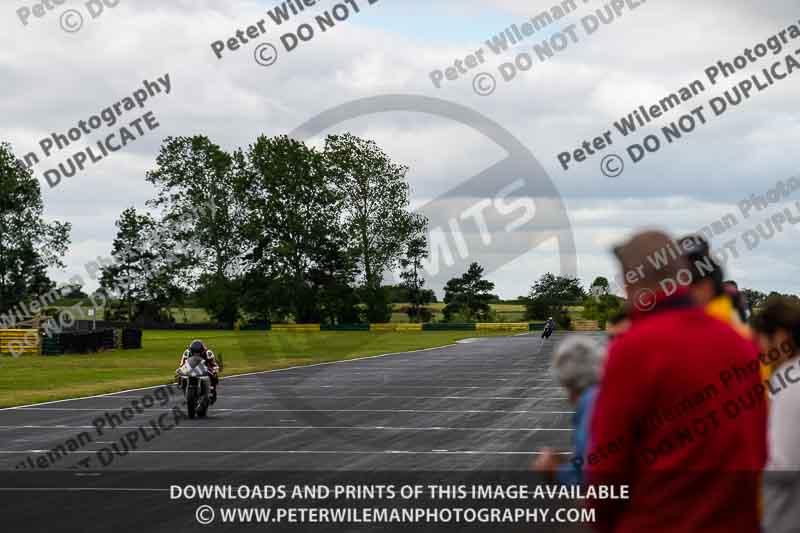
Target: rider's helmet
(197,347)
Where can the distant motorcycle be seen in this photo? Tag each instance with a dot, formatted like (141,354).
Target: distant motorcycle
(195,381)
(548,330)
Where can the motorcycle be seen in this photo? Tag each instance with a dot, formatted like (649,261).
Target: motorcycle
(548,330)
(195,381)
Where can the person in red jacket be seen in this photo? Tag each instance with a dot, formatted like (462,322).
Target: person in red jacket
(680,415)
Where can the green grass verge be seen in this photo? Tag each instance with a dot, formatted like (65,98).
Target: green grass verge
(31,379)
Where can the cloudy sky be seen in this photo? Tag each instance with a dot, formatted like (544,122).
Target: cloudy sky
(53,78)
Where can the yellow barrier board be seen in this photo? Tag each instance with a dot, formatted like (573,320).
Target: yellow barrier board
(19,341)
(295,328)
(509,326)
(395,327)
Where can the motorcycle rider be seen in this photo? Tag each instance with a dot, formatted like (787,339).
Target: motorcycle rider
(198,349)
(549,326)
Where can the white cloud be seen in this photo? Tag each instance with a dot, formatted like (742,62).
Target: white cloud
(52,79)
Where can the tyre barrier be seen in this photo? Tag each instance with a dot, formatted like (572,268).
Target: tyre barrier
(131,339)
(100,340)
(83,341)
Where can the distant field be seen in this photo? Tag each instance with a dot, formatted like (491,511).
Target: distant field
(190,315)
(30,379)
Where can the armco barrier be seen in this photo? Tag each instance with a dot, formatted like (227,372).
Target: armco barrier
(586,325)
(19,341)
(516,327)
(296,328)
(395,327)
(446,326)
(344,327)
(255,326)
(509,326)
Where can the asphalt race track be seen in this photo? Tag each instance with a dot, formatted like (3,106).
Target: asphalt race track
(483,406)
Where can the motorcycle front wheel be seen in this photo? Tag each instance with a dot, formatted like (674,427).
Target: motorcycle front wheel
(191,401)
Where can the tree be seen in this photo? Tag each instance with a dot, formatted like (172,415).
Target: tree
(74,291)
(376,212)
(468,296)
(776,294)
(754,298)
(600,305)
(602,308)
(413,282)
(600,286)
(398,294)
(196,184)
(292,226)
(28,244)
(144,269)
(550,295)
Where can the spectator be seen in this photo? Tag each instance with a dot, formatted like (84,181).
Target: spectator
(706,285)
(683,476)
(740,303)
(707,288)
(576,365)
(777,331)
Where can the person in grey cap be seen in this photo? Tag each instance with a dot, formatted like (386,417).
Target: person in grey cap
(576,365)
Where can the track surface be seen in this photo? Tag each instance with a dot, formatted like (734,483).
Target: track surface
(487,405)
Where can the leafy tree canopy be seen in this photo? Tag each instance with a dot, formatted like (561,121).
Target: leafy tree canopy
(468,296)
(28,244)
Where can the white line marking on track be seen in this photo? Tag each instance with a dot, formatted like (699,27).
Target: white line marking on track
(353,428)
(299,452)
(387,386)
(299,367)
(245,410)
(83,489)
(386,397)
